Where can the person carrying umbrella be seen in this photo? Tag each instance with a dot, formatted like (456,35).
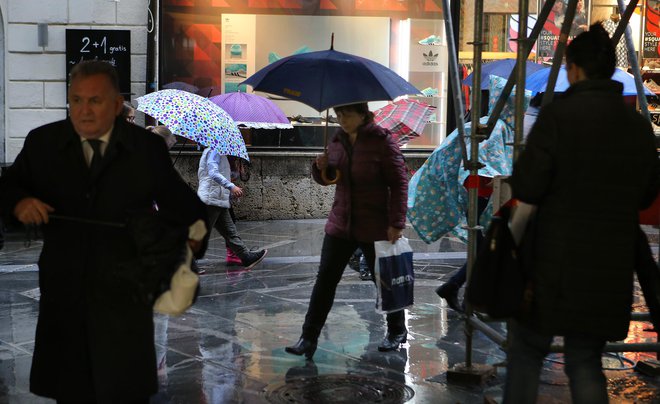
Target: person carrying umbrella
(369,205)
(215,190)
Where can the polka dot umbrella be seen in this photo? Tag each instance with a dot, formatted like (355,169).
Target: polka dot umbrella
(195,118)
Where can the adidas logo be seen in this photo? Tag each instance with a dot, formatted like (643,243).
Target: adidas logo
(430,57)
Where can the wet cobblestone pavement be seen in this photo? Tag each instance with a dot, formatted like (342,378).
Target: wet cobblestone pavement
(229,348)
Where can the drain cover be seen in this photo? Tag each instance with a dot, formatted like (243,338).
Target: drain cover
(339,389)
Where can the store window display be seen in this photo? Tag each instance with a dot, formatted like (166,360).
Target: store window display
(610,26)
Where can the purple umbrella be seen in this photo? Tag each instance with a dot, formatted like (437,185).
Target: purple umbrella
(252,111)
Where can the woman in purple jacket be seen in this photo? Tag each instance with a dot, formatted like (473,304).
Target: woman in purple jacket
(369,205)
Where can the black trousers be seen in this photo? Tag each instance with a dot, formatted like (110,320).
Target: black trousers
(335,254)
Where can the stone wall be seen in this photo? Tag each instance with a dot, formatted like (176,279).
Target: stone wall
(280,185)
(35,78)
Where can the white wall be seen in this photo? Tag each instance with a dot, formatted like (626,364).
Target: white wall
(35,77)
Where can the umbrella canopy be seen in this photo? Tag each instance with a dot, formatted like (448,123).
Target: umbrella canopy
(195,118)
(180,85)
(538,81)
(329,78)
(404,118)
(252,111)
(501,68)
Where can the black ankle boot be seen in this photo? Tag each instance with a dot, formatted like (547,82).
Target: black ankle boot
(392,341)
(449,292)
(303,346)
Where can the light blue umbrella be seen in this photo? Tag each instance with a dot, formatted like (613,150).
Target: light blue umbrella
(501,68)
(538,81)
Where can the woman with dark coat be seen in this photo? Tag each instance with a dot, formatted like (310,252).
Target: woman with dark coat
(589,165)
(369,205)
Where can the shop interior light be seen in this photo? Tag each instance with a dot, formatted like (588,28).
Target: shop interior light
(404,48)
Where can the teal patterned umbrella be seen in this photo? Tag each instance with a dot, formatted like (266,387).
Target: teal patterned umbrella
(195,118)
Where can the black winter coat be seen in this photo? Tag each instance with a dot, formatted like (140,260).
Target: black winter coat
(373,189)
(94,339)
(590,165)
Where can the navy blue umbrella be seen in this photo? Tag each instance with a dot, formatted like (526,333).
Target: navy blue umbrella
(501,68)
(326,79)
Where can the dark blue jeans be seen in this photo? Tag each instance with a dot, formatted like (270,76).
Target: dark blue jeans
(525,358)
(335,254)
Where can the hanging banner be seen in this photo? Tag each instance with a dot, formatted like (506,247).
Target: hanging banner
(549,35)
(652,30)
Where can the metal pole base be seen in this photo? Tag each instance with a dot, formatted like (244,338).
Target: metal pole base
(475,374)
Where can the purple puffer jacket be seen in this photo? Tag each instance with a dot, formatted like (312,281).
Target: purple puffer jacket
(372,191)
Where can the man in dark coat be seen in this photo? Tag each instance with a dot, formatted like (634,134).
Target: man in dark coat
(94,339)
(589,165)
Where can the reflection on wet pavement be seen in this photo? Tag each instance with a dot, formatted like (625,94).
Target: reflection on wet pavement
(229,348)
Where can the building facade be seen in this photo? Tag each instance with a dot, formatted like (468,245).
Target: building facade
(34,68)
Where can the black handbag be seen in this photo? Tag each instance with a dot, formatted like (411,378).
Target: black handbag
(499,284)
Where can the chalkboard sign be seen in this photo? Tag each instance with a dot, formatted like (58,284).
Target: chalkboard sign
(111,45)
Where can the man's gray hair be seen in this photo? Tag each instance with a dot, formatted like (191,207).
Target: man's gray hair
(88,68)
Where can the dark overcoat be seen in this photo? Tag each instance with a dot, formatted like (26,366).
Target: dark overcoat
(590,165)
(372,191)
(94,339)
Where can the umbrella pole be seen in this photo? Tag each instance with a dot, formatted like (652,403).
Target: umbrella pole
(324,175)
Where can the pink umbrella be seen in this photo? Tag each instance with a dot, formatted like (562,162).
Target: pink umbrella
(405,118)
(252,111)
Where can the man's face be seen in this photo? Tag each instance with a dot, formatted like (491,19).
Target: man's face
(93,105)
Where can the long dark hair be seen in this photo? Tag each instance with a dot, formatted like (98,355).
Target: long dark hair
(360,108)
(594,52)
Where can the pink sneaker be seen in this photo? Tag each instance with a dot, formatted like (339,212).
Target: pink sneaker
(232,259)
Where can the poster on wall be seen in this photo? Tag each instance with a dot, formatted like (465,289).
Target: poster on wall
(114,46)
(238,44)
(549,36)
(651,53)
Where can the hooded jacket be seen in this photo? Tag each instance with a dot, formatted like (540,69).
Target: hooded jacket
(213,176)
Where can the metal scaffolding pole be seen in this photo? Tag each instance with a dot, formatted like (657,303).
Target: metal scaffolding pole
(454,78)
(480,131)
(558,57)
(499,106)
(520,77)
(473,164)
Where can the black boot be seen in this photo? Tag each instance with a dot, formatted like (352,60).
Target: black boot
(392,341)
(449,292)
(303,346)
